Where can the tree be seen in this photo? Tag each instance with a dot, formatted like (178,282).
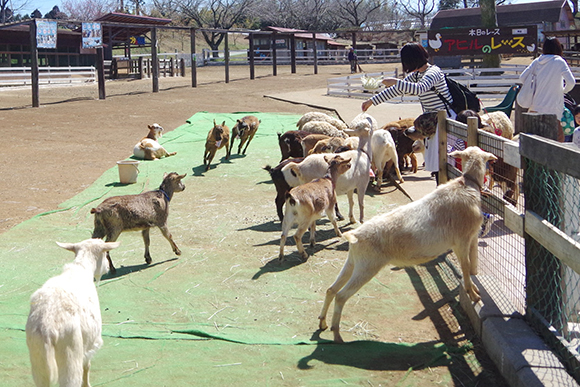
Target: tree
(419,9)
(87,9)
(56,14)
(356,13)
(489,20)
(9,8)
(36,14)
(214,14)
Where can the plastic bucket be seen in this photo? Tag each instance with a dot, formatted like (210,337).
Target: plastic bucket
(128,171)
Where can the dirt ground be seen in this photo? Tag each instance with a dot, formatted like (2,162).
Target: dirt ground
(60,148)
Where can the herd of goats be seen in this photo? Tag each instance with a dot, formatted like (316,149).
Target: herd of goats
(323,158)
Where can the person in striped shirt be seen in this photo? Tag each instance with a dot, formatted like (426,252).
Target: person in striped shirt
(422,80)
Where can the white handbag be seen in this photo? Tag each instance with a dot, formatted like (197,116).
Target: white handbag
(526,94)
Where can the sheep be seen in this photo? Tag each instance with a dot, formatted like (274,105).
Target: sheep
(498,123)
(319,116)
(149,148)
(63,330)
(138,212)
(323,127)
(384,154)
(291,143)
(356,178)
(244,129)
(332,144)
(310,141)
(217,138)
(448,218)
(305,204)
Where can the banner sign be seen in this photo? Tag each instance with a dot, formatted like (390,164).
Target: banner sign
(477,41)
(137,40)
(92,35)
(45,34)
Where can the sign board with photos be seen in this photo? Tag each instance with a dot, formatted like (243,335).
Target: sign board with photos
(46,34)
(92,35)
(478,41)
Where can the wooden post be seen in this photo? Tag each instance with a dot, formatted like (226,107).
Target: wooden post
(315,53)
(101,72)
(34,65)
(542,190)
(182,67)
(251,58)
(227,58)
(472,134)
(293,53)
(442,132)
(140,69)
(193,58)
(154,60)
(274,62)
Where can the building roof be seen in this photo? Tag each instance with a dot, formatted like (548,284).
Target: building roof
(510,14)
(117,25)
(299,33)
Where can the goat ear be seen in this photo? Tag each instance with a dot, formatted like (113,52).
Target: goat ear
(108,246)
(67,246)
(181,176)
(214,122)
(456,153)
(327,158)
(224,123)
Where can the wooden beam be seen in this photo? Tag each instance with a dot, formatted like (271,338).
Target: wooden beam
(34,65)
(154,60)
(193,57)
(542,151)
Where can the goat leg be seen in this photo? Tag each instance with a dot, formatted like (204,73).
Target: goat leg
(111,267)
(146,240)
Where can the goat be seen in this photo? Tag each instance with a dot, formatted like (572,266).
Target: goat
(323,127)
(149,148)
(291,143)
(282,186)
(63,330)
(310,141)
(244,129)
(138,212)
(217,138)
(319,116)
(497,123)
(305,204)
(356,178)
(332,144)
(403,144)
(384,154)
(448,218)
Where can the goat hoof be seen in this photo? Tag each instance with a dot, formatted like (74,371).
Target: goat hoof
(177,252)
(148,260)
(322,324)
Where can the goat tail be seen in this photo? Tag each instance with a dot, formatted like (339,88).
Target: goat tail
(42,360)
(268,168)
(350,237)
(291,200)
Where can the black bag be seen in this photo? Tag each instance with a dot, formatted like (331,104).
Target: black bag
(463,98)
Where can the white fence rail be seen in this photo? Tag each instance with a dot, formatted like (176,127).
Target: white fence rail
(21,76)
(487,83)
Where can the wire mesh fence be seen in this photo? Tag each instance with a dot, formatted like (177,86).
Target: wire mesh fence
(535,263)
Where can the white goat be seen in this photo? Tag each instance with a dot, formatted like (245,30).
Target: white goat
(323,127)
(384,151)
(331,144)
(319,116)
(63,330)
(356,178)
(305,204)
(149,148)
(448,218)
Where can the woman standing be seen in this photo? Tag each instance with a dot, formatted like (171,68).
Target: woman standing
(552,78)
(422,80)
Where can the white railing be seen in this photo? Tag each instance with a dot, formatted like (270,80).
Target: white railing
(21,76)
(487,83)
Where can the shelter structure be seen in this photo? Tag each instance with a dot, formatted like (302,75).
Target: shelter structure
(548,16)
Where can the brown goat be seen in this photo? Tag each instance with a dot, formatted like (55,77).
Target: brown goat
(137,212)
(217,138)
(244,129)
(305,203)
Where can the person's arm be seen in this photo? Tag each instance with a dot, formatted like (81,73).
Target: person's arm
(569,80)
